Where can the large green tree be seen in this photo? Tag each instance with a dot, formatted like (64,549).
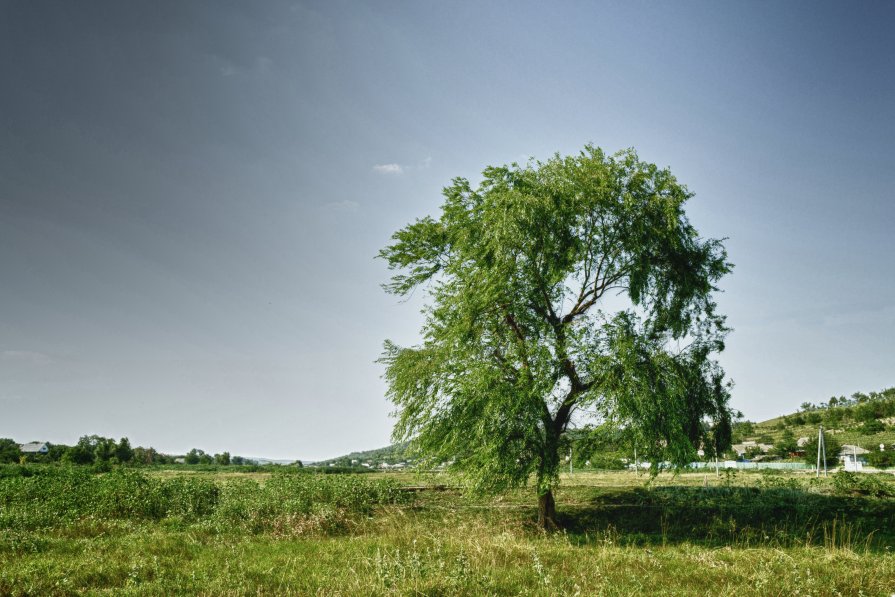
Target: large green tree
(9,451)
(558,291)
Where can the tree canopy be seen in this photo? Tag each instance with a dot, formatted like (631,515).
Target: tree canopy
(574,287)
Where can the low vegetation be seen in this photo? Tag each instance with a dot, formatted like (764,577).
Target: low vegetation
(34,498)
(65,530)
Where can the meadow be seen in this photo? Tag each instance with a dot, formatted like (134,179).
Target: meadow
(66,531)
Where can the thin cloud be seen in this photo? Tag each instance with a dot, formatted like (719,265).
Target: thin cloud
(26,356)
(884,316)
(346,206)
(388,168)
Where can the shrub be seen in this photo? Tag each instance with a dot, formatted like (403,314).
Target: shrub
(845,483)
(872,427)
(881,459)
(831,444)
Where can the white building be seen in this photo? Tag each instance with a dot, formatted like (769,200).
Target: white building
(34,448)
(853,458)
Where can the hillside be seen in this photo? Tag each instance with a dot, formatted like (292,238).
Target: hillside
(865,420)
(395,454)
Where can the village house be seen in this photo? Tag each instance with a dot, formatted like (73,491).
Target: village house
(750,446)
(853,458)
(34,448)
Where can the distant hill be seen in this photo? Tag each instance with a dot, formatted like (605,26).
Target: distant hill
(865,420)
(396,454)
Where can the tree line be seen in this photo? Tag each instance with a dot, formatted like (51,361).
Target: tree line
(97,450)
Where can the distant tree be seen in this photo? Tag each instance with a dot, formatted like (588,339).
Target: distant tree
(222,458)
(813,418)
(193,456)
(866,412)
(872,427)
(104,448)
(746,427)
(786,445)
(159,458)
(806,406)
(56,452)
(833,417)
(123,451)
(238,460)
(520,335)
(9,451)
(82,452)
(881,459)
(832,449)
(142,455)
(751,452)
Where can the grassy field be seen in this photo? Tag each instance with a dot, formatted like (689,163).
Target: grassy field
(162,533)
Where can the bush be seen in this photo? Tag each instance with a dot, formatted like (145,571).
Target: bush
(872,427)
(881,459)
(862,484)
(832,449)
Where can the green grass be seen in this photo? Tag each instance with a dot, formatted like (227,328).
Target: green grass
(693,534)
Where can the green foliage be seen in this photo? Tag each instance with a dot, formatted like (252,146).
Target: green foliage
(9,451)
(881,459)
(123,451)
(43,497)
(786,445)
(832,418)
(832,446)
(516,339)
(742,430)
(750,535)
(196,456)
(81,453)
(393,454)
(846,483)
(872,427)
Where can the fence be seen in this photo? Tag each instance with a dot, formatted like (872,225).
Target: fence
(789,466)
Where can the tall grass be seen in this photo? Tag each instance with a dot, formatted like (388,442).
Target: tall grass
(66,532)
(58,496)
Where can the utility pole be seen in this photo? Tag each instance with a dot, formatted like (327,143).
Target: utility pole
(821,448)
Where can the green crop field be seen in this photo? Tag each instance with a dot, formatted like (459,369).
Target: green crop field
(143,532)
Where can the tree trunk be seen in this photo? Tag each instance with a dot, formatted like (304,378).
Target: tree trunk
(547,511)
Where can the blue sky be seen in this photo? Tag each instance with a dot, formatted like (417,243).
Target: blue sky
(192,194)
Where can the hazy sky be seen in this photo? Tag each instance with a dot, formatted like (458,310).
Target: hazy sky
(192,193)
